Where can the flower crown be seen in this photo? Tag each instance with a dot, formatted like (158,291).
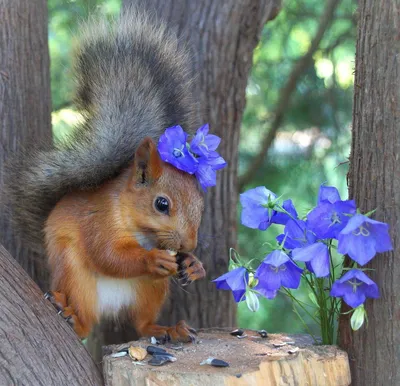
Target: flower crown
(199,157)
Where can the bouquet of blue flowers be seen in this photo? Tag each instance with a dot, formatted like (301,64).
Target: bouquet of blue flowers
(305,252)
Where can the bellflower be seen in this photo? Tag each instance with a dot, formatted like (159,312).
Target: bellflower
(203,143)
(235,281)
(328,193)
(328,219)
(283,218)
(172,148)
(297,235)
(277,270)
(316,256)
(255,212)
(206,171)
(354,287)
(363,237)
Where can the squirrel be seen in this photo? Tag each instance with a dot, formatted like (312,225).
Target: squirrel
(116,221)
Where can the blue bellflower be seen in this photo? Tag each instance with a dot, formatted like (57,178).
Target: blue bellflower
(328,193)
(206,171)
(203,143)
(316,257)
(331,214)
(255,212)
(297,235)
(283,218)
(363,237)
(172,148)
(354,287)
(275,271)
(328,219)
(235,281)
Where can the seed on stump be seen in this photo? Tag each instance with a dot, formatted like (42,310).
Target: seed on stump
(155,350)
(237,332)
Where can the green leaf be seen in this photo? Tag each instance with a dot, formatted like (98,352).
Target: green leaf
(313,299)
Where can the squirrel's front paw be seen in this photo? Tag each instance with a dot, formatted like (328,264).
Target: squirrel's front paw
(162,263)
(190,268)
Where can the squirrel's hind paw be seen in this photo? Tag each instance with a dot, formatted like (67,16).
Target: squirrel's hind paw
(181,332)
(59,301)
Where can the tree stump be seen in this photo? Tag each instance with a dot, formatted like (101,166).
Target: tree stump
(253,360)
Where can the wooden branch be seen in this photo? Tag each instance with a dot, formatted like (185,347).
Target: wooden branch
(287,91)
(37,347)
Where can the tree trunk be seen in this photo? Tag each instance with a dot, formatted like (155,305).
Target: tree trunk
(374,180)
(222,36)
(24,103)
(37,347)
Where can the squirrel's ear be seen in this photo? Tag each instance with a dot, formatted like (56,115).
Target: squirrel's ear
(147,165)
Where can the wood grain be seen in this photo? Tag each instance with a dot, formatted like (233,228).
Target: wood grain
(25,105)
(37,347)
(374,181)
(252,361)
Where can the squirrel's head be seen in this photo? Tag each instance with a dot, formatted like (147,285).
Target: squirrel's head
(167,202)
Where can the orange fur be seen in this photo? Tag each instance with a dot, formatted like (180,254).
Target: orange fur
(94,238)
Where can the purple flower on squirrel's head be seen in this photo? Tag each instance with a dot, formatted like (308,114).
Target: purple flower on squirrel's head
(203,143)
(199,157)
(235,281)
(354,287)
(363,237)
(172,148)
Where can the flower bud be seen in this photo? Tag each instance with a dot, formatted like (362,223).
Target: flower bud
(252,301)
(357,319)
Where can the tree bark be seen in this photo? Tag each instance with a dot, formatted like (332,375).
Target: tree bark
(37,347)
(374,182)
(222,36)
(25,104)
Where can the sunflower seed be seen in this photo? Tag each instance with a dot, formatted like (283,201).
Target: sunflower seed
(237,332)
(155,350)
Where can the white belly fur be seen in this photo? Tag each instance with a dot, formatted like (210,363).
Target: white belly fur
(113,294)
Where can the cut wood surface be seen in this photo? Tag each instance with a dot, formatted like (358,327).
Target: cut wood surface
(252,361)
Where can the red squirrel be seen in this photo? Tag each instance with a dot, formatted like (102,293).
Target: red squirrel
(117,222)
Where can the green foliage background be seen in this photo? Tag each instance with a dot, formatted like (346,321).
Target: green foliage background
(312,144)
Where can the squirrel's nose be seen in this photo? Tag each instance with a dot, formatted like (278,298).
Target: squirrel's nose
(188,244)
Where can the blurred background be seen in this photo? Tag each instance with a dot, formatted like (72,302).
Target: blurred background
(298,112)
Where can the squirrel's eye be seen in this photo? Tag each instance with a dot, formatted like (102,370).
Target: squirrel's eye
(162,205)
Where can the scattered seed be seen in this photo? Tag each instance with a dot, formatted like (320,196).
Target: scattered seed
(177,348)
(137,353)
(159,360)
(119,354)
(214,362)
(155,361)
(263,333)
(155,350)
(166,356)
(237,332)
(153,340)
(279,344)
(293,350)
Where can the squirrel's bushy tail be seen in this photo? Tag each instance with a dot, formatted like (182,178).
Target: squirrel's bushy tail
(132,82)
